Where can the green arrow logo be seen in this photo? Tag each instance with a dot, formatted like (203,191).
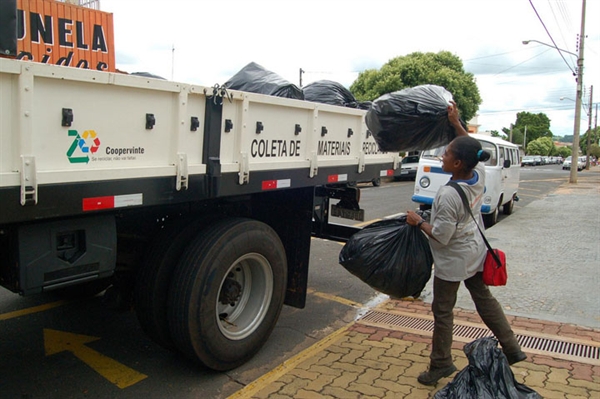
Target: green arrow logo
(76,143)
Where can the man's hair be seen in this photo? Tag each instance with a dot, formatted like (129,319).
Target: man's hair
(468,150)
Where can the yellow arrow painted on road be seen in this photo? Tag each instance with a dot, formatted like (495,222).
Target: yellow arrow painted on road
(117,373)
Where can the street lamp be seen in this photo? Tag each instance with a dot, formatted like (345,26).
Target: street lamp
(549,45)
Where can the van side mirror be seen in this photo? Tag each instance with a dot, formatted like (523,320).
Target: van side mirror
(506,163)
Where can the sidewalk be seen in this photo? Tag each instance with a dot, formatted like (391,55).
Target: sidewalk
(551,301)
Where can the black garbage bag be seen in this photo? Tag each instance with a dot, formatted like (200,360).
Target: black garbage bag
(329,92)
(256,79)
(412,119)
(488,376)
(390,256)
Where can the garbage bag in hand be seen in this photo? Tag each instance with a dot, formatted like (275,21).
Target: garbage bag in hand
(488,376)
(412,119)
(256,79)
(390,256)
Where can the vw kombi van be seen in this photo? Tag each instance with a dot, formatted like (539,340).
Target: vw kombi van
(502,173)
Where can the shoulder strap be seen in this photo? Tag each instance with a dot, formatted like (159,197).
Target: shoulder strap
(465,201)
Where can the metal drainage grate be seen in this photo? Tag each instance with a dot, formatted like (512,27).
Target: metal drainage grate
(557,347)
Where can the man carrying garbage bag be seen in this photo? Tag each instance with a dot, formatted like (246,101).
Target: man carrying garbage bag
(458,252)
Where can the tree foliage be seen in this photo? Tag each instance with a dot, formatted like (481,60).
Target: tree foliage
(441,69)
(542,146)
(594,135)
(537,125)
(564,152)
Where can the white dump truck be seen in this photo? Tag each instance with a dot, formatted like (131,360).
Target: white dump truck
(197,202)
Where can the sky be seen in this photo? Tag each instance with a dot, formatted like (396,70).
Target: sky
(207,42)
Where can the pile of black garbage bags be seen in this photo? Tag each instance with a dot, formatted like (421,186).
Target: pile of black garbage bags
(255,78)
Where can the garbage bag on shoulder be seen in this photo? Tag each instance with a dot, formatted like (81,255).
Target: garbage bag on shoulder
(488,376)
(255,78)
(412,119)
(390,256)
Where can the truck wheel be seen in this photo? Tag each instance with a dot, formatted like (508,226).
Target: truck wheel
(227,293)
(376,182)
(507,208)
(154,278)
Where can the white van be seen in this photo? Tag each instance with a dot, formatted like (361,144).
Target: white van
(501,178)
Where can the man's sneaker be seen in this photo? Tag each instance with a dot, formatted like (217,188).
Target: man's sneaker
(515,357)
(434,374)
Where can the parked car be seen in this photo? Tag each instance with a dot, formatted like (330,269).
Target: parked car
(408,168)
(580,163)
(528,160)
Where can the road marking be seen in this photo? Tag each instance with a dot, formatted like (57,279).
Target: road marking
(366,223)
(334,298)
(115,372)
(255,386)
(35,309)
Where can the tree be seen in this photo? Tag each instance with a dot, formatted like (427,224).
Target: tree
(593,140)
(595,150)
(564,152)
(538,125)
(542,146)
(495,133)
(441,69)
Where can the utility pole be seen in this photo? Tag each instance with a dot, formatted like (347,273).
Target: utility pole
(589,132)
(525,141)
(575,152)
(596,126)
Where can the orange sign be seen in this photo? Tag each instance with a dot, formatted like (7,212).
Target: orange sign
(59,33)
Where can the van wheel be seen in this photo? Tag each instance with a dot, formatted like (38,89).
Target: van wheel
(490,219)
(507,208)
(377,182)
(227,293)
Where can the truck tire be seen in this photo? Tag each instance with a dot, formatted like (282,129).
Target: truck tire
(227,293)
(154,278)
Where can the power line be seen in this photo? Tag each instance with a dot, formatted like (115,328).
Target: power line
(550,36)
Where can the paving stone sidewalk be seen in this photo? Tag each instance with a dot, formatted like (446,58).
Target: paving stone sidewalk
(367,362)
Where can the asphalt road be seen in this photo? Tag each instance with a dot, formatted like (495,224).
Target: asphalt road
(84,349)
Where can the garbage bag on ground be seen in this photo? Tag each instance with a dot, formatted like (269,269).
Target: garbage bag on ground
(412,119)
(256,79)
(329,92)
(390,256)
(488,376)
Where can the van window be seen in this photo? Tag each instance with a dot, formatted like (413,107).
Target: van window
(434,153)
(491,148)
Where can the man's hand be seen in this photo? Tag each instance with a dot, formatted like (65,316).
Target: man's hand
(454,119)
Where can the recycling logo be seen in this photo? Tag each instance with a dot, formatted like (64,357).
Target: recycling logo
(82,146)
